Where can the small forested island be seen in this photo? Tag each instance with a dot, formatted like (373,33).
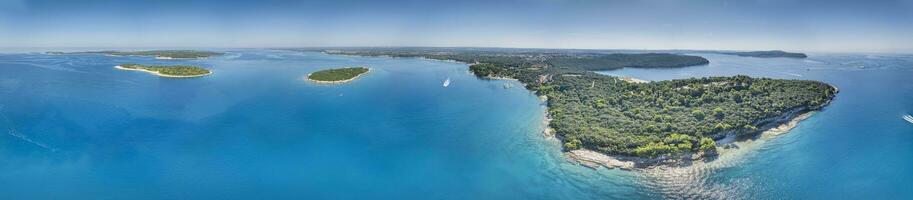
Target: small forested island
(767,54)
(339,75)
(645,123)
(158,54)
(175,71)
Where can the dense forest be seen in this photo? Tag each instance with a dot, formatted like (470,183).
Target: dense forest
(668,117)
(616,117)
(618,61)
(340,74)
(176,70)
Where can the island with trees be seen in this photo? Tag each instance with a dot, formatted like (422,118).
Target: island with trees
(158,54)
(646,123)
(175,71)
(338,75)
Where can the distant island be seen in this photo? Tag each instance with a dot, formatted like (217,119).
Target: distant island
(158,54)
(767,54)
(175,71)
(339,75)
(616,122)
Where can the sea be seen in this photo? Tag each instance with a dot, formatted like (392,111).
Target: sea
(73,127)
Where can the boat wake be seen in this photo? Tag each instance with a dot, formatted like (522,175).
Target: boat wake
(12,132)
(908,118)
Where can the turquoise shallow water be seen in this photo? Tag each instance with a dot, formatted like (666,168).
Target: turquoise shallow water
(75,128)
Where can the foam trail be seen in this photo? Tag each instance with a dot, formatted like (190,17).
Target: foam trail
(12,132)
(908,118)
(29,140)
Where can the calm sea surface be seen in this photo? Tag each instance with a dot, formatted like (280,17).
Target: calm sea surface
(72,127)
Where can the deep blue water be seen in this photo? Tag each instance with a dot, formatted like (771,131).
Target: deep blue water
(75,128)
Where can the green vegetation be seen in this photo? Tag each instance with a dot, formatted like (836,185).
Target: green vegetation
(174,54)
(671,117)
(618,61)
(338,75)
(650,120)
(170,71)
(768,54)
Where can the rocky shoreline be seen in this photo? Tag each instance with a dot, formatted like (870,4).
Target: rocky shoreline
(593,159)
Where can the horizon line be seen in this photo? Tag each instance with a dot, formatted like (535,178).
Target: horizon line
(139,48)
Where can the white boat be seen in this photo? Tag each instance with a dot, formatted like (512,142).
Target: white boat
(447,82)
(908,118)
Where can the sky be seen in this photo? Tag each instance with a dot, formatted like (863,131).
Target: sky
(809,26)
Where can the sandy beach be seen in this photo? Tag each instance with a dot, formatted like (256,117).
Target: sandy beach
(633,80)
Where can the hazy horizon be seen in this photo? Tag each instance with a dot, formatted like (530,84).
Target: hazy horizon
(141,48)
(803,26)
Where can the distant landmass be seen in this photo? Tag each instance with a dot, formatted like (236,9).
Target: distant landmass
(159,54)
(619,60)
(766,54)
(637,121)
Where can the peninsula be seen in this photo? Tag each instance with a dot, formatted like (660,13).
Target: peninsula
(767,54)
(614,61)
(175,71)
(339,75)
(158,54)
(647,123)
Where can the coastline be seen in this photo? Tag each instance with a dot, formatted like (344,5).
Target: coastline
(173,58)
(308,77)
(594,159)
(584,157)
(632,79)
(770,127)
(500,78)
(162,75)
